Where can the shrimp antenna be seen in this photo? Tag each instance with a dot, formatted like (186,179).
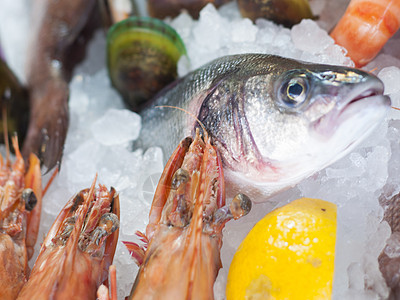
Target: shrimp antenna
(5,128)
(190,114)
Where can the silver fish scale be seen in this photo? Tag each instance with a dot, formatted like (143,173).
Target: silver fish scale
(188,94)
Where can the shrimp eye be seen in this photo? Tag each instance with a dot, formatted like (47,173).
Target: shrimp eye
(294,92)
(181,176)
(29,198)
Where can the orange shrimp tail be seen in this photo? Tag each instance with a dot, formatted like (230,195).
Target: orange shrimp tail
(365,28)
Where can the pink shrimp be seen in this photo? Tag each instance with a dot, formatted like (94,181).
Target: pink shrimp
(20,208)
(181,255)
(365,28)
(79,248)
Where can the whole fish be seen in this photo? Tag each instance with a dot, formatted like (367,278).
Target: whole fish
(56,26)
(275,121)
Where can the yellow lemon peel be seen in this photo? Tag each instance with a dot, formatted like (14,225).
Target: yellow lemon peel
(289,254)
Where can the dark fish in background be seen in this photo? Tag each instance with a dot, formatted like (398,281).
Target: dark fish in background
(275,121)
(285,12)
(54,51)
(171,8)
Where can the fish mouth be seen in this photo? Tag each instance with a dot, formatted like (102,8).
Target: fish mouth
(366,94)
(354,104)
(373,92)
(370,97)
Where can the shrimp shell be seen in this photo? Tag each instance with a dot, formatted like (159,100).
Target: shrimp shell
(365,28)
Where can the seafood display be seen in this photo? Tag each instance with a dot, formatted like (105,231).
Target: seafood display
(56,26)
(14,103)
(275,121)
(184,235)
(76,254)
(21,202)
(142,54)
(264,118)
(365,28)
(286,12)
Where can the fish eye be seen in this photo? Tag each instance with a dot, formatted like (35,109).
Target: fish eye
(294,92)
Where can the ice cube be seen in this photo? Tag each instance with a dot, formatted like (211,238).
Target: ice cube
(392,248)
(183,24)
(116,127)
(390,77)
(243,31)
(210,30)
(308,36)
(230,11)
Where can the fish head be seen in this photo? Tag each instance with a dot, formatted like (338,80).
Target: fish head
(293,120)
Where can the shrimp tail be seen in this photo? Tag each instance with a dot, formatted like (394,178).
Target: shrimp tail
(365,28)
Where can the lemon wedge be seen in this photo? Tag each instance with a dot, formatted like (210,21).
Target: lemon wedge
(289,254)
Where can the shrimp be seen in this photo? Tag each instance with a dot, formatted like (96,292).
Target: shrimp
(20,208)
(78,249)
(180,258)
(365,28)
